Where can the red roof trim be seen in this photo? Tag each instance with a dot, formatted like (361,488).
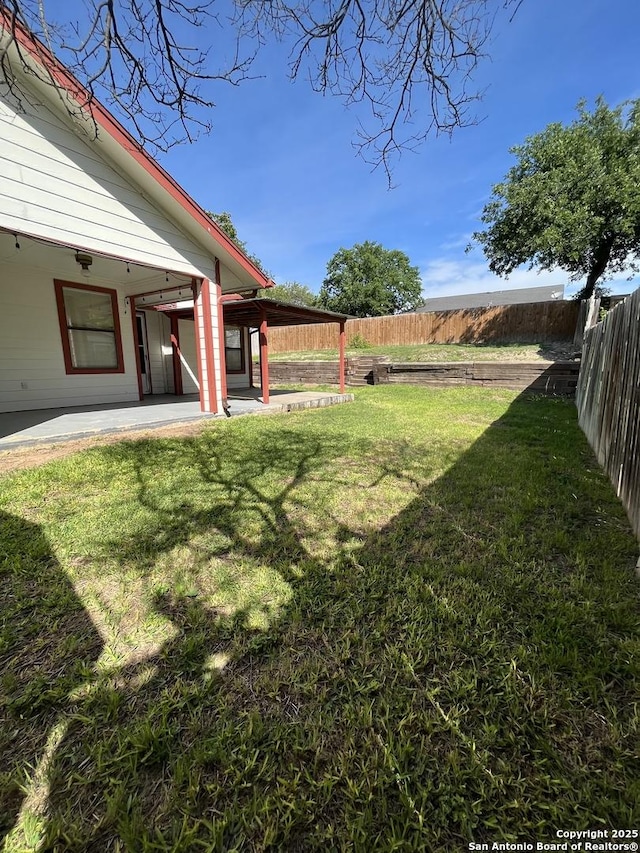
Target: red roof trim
(65,79)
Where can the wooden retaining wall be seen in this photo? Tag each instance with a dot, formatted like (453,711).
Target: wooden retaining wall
(304,372)
(558,377)
(358,371)
(531,323)
(608,399)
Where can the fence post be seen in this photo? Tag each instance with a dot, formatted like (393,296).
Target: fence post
(594,311)
(581,323)
(587,318)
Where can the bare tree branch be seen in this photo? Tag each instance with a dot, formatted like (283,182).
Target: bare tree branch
(409,62)
(129,54)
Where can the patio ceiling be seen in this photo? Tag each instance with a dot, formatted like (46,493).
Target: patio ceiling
(20,249)
(252,312)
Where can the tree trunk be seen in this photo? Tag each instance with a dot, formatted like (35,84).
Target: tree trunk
(599,265)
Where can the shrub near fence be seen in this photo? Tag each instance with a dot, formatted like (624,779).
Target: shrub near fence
(532,323)
(608,399)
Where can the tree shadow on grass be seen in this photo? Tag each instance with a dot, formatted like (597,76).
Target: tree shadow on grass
(48,644)
(244,498)
(229,477)
(466,673)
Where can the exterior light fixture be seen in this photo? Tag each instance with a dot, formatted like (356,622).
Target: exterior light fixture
(85,262)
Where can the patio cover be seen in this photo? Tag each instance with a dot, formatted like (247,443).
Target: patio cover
(262,313)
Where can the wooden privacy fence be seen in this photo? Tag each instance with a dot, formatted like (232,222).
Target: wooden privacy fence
(608,399)
(532,323)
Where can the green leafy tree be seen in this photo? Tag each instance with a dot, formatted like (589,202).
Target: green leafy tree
(291,291)
(225,222)
(370,281)
(572,200)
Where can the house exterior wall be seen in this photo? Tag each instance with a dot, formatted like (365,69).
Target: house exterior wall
(59,186)
(55,186)
(32,368)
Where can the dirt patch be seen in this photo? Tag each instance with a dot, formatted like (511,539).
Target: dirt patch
(40,454)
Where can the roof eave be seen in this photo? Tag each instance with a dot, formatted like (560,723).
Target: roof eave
(206,231)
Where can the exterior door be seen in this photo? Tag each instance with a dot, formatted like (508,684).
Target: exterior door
(143,352)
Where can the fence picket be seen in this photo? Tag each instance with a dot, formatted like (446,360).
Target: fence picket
(532,323)
(608,399)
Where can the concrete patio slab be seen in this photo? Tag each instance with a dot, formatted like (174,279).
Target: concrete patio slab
(46,426)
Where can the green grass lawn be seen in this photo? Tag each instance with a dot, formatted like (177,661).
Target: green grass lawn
(401,624)
(439,352)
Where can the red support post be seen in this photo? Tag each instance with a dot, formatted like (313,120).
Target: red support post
(199,353)
(341,360)
(207,317)
(264,358)
(221,336)
(178,390)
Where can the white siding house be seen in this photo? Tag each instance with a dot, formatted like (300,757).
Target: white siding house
(94,235)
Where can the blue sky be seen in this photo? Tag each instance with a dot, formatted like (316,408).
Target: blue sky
(280,158)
